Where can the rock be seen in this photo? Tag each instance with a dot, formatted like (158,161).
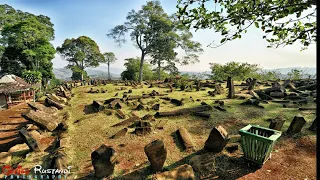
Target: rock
(276,124)
(232,147)
(313,127)
(98,105)
(296,125)
(31,127)
(5,158)
(139,107)
(103,161)
(254,94)
(230,85)
(127,121)
(157,154)
(19,149)
(120,114)
(42,119)
(121,133)
(186,139)
(147,117)
(51,102)
(202,114)
(203,164)
(176,102)
(217,139)
(156,107)
(134,113)
(142,128)
(220,108)
(40,107)
(183,172)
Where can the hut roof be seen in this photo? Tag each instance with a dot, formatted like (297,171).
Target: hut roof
(11,83)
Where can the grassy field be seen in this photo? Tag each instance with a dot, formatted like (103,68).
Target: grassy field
(94,128)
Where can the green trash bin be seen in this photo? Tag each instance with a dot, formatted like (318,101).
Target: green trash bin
(257,142)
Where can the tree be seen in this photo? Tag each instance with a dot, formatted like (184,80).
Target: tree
(132,70)
(109,58)
(81,53)
(295,74)
(236,70)
(283,22)
(150,26)
(25,43)
(32,77)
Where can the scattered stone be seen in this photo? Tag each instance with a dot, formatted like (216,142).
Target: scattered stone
(50,102)
(42,119)
(5,158)
(183,172)
(103,161)
(296,125)
(98,106)
(230,85)
(232,147)
(156,107)
(116,94)
(147,117)
(157,154)
(31,127)
(139,107)
(277,94)
(183,111)
(203,164)
(40,107)
(313,127)
(127,121)
(120,114)
(108,112)
(176,102)
(220,108)
(217,139)
(186,139)
(276,124)
(121,133)
(130,91)
(142,128)
(254,102)
(307,108)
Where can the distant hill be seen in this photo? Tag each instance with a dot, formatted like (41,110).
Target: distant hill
(101,72)
(65,74)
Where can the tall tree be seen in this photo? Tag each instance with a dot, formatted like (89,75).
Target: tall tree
(152,25)
(81,53)
(132,70)
(236,70)
(25,42)
(109,58)
(283,22)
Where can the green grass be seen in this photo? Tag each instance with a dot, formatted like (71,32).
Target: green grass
(94,129)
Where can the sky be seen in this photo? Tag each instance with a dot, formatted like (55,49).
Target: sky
(94,18)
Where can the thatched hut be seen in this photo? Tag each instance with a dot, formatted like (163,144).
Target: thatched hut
(14,90)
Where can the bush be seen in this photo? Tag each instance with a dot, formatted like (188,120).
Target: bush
(39,95)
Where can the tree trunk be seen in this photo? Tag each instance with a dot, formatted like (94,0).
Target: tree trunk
(82,75)
(109,71)
(159,70)
(141,66)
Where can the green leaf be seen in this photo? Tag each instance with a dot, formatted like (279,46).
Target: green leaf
(256,24)
(223,40)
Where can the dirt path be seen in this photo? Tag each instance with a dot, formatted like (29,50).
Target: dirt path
(295,159)
(10,123)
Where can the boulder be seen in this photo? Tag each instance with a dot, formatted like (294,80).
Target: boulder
(313,127)
(142,128)
(40,107)
(183,172)
(98,105)
(45,120)
(186,139)
(19,149)
(276,124)
(217,139)
(156,107)
(296,125)
(120,133)
(5,158)
(157,154)
(120,114)
(103,160)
